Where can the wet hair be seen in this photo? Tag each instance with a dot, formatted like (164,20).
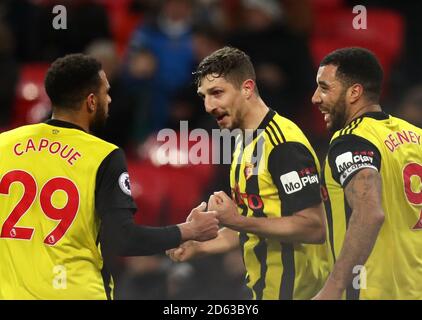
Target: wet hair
(228,62)
(71,79)
(357,65)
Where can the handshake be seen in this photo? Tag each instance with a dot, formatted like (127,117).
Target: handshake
(203,225)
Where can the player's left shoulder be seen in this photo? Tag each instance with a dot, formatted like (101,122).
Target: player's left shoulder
(289,129)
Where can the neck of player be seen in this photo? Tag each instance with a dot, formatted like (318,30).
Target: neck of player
(255,113)
(358,111)
(75,118)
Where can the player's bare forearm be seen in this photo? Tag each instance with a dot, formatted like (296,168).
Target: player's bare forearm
(305,226)
(226,240)
(364,194)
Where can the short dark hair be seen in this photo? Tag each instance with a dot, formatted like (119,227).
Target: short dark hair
(71,78)
(228,62)
(357,65)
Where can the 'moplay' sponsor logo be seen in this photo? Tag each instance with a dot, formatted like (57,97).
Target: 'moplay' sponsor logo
(349,162)
(347,159)
(292,182)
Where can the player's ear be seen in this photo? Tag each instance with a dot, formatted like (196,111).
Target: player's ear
(91,102)
(355,92)
(248,88)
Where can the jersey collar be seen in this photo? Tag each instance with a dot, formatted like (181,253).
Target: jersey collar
(63,124)
(377,115)
(264,123)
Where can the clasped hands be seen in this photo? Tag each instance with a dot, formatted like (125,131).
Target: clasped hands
(224,207)
(225,211)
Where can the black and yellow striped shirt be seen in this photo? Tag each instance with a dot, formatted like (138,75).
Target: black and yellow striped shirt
(273,175)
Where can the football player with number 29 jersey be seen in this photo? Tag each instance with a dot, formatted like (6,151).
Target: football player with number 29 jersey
(66,209)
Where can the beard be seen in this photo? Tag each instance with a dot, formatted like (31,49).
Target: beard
(236,120)
(98,122)
(338,114)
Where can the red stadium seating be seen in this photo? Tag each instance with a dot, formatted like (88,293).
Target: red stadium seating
(165,194)
(32,104)
(334,29)
(122,22)
(319,5)
(149,189)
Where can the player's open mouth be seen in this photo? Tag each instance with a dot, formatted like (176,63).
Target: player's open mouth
(326,115)
(221,118)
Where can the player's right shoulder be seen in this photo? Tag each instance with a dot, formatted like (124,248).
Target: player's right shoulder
(358,127)
(350,153)
(348,141)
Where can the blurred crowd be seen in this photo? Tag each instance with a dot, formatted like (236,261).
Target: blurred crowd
(149,49)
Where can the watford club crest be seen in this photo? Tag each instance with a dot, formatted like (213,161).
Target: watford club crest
(248,171)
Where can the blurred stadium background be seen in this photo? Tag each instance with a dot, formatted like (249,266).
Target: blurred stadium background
(149,49)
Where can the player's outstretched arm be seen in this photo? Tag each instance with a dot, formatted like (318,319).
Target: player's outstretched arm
(123,237)
(200,226)
(305,226)
(226,240)
(364,196)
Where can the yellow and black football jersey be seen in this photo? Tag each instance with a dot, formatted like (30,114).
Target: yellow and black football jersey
(49,246)
(393,147)
(274,174)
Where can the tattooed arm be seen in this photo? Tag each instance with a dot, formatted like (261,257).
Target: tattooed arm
(363,194)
